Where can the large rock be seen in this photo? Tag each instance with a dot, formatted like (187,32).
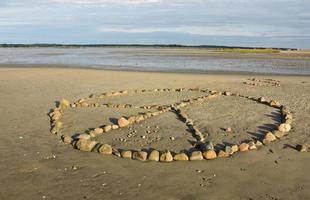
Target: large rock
(126,154)
(209,154)
(139,155)
(166,157)
(122,122)
(105,149)
(64,104)
(243,147)
(284,128)
(85,145)
(181,157)
(154,155)
(196,155)
(269,137)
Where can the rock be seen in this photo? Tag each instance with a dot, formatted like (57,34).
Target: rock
(243,147)
(139,155)
(258,143)
(122,122)
(262,100)
(284,128)
(181,157)
(196,155)
(83,136)
(126,154)
(166,157)
(252,145)
(235,148)
(85,145)
(226,93)
(275,104)
(222,154)
(56,115)
(139,118)
(98,131)
(58,125)
(115,152)
(229,150)
(228,130)
(302,148)
(107,128)
(84,104)
(279,134)
(114,127)
(172,138)
(105,149)
(66,139)
(154,155)
(64,104)
(209,154)
(269,137)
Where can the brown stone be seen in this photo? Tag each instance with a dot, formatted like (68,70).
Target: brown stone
(302,148)
(83,136)
(98,131)
(126,154)
(107,128)
(279,134)
(122,122)
(105,149)
(284,128)
(196,155)
(58,125)
(139,155)
(222,154)
(85,145)
(243,147)
(64,104)
(114,127)
(154,155)
(275,104)
(269,137)
(235,148)
(166,157)
(181,157)
(209,154)
(66,139)
(252,145)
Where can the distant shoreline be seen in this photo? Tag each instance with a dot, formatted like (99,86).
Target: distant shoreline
(141,45)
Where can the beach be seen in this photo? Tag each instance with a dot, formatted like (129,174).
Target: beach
(36,164)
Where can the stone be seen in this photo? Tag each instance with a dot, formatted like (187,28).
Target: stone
(210,146)
(262,100)
(105,149)
(139,118)
(83,136)
(279,134)
(302,148)
(222,154)
(226,93)
(235,148)
(107,128)
(66,139)
(58,125)
(270,137)
(252,145)
(98,131)
(139,155)
(114,127)
(115,152)
(196,155)
(181,157)
(56,115)
(85,145)
(209,154)
(126,154)
(258,143)
(64,104)
(154,155)
(166,157)
(284,128)
(228,130)
(243,147)
(275,104)
(84,104)
(122,122)
(229,150)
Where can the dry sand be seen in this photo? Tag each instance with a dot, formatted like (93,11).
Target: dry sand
(37,165)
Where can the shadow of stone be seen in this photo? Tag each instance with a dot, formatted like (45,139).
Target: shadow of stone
(57,104)
(257,136)
(285,146)
(113,120)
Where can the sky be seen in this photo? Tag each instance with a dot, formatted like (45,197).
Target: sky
(264,23)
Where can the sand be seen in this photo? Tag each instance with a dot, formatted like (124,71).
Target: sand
(36,165)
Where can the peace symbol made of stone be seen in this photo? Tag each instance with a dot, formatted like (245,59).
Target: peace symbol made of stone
(204,150)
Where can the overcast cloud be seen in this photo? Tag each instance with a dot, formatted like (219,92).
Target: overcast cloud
(276,23)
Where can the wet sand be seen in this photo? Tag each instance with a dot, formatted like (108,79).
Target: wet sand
(36,165)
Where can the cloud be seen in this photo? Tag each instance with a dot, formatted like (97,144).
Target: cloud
(106,2)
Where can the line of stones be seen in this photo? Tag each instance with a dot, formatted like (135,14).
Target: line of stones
(205,150)
(263,82)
